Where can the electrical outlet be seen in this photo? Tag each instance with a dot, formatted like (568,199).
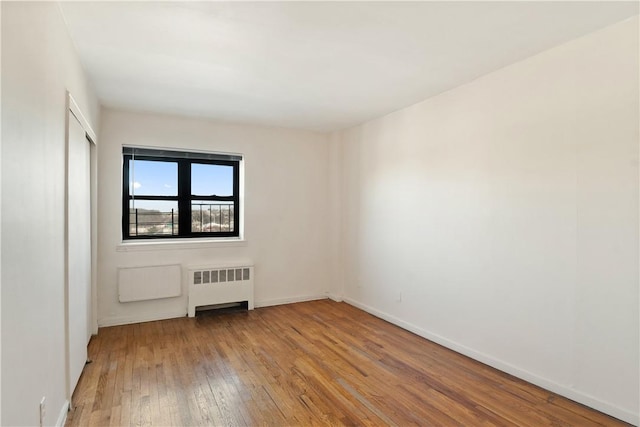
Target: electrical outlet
(43,410)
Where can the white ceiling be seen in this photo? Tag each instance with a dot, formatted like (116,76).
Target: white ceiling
(313,65)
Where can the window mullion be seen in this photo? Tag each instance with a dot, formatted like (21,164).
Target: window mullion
(126,215)
(236,199)
(184,197)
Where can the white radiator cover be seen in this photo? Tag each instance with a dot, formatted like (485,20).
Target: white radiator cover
(219,284)
(149,282)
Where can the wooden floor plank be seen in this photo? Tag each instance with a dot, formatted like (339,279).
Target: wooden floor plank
(314,363)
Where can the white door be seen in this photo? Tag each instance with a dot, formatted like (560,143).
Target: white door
(78,250)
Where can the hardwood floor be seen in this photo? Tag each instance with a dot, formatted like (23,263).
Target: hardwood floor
(313,363)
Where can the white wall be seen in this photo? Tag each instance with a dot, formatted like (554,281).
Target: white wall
(0,224)
(39,64)
(286,205)
(501,218)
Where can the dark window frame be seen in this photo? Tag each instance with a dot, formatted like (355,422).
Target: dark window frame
(184,198)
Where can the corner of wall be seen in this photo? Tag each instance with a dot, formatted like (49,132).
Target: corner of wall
(0,223)
(335,289)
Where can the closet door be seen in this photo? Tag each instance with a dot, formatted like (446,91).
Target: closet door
(78,250)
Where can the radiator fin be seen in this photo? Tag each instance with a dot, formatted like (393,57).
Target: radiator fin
(204,277)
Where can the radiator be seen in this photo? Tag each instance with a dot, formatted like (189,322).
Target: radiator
(211,285)
(149,282)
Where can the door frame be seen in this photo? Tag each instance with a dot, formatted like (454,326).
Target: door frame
(74,109)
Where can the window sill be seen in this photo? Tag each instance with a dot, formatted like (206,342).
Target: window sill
(177,244)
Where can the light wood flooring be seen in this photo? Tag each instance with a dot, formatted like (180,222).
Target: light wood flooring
(313,363)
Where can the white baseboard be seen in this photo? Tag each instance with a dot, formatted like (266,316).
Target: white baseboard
(560,389)
(280,301)
(148,317)
(62,416)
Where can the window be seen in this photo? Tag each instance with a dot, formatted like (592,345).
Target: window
(173,194)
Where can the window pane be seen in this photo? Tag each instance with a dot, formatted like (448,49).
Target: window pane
(153,218)
(211,180)
(147,178)
(211,216)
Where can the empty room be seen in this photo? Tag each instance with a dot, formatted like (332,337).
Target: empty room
(320,213)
